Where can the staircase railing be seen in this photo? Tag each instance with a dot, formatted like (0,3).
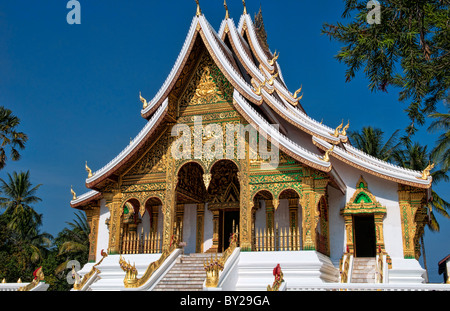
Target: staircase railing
(80,283)
(215,267)
(149,243)
(345,267)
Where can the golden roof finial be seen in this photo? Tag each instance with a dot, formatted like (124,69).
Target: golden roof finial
(89,171)
(245,7)
(272,79)
(298,92)
(143,100)
(336,131)
(274,59)
(74,195)
(227,15)
(326,157)
(258,90)
(344,130)
(426,171)
(199,11)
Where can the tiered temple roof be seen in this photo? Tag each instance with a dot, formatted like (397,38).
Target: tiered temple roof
(261,96)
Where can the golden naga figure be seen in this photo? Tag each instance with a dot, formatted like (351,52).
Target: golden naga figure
(426,171)
(74,195)
(326,157)
(344,130)
(143,100)
(274,59)
(296,94)
(259,88)
(338,129)
(88,170)
(272,79)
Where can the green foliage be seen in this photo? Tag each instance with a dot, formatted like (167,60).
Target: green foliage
(409,49)
(10,138)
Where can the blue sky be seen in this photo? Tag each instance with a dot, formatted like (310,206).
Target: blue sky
(75,87)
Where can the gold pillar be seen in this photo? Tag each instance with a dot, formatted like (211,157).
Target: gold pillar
(216,216)
(169,204)
(312,192)
(179,220)
(245,205)
(410,201)
(93,216)
(113,201)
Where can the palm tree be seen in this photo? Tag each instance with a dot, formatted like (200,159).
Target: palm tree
(441,153)
(22,221)
(371,141)
(75,239)
(9,136)
(18,195)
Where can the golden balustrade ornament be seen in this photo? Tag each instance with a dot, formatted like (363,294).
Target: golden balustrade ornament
(38,275)
(215,265)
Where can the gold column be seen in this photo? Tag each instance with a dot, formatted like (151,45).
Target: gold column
(200,228)
(378,217)
(410,202)
(245,205)
(93,216)
(312,192)
(113,201)
(169,204)
(349,233)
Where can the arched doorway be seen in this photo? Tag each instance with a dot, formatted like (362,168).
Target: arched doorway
(364,235)
(223,197)
(190,197)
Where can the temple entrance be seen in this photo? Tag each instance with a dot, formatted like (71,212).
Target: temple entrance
(229,223)
(364,235)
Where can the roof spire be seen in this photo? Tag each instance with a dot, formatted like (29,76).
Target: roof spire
(199,11)
(245,7)
(227,15)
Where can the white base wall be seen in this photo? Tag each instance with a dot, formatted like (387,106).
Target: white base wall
(406,271)
(255,269)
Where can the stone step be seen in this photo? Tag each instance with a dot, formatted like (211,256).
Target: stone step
(187,274)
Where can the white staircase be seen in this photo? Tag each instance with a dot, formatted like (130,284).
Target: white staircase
(188,274)
(364,270)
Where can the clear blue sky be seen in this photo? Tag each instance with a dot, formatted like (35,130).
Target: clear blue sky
(75,87)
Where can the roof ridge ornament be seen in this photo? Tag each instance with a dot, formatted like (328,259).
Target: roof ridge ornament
(227,14)
(199,11)
(245,7)
(272,79)
(426,171)
(344,130)
(143,100)
(336,131)
(326,157)
(74,195)
(258,89)
(274,59)
(89,171)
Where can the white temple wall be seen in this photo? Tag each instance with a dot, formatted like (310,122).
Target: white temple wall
(103,232)
(386,193)
(208,229)
(190,227)
(336,201)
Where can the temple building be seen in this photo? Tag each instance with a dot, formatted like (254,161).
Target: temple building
(230,166)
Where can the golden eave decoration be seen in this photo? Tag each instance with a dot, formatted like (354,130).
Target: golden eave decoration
(74,195)
(89,171)
(363,201)
(426,171)
(143,100)
(274,59)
